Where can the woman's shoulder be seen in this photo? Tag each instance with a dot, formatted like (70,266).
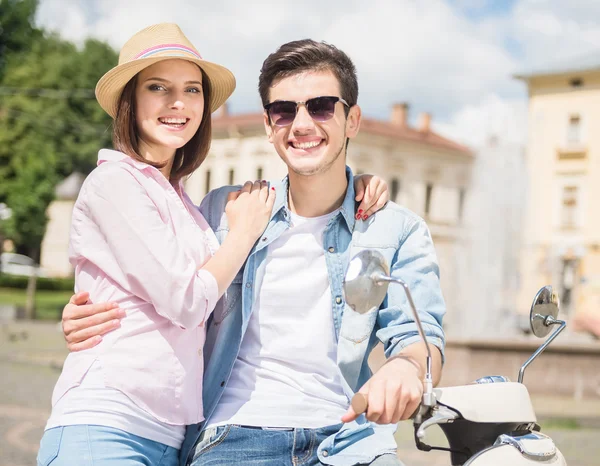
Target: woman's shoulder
(109,171)
(109,180)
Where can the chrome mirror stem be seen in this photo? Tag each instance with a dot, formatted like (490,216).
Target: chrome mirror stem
(428,395)
(548,321)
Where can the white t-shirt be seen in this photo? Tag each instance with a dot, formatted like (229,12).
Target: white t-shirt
(286,372)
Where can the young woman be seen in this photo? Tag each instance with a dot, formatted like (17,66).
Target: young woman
(139,241)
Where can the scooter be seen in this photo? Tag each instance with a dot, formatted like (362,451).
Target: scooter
(488,422)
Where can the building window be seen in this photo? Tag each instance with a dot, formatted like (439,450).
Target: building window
(569,206)
(395,189)
(259,173)
(231,176)
(207,181)
(574,130)
(428,193)
(461,203)
(576,82)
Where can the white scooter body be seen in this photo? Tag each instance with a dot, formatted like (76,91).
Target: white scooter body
(489,402)
(487,405)
(503,455)
(488,423)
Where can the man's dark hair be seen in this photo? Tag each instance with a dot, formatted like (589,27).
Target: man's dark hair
(308,55)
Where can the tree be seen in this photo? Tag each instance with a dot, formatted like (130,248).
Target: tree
(50,126)
(17,30)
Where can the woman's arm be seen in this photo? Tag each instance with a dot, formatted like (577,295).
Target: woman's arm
(152,262)
(248,212)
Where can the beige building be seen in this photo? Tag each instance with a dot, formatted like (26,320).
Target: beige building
(561,244)
(54,257)
(427,173)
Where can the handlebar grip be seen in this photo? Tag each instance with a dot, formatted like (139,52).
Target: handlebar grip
(359,403)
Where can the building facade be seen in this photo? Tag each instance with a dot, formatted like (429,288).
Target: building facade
(54,252)
(561,240)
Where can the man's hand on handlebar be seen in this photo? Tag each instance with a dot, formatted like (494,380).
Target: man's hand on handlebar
(392,395)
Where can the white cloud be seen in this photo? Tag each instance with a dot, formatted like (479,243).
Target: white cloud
(553,30)
(424,52)
(493,117)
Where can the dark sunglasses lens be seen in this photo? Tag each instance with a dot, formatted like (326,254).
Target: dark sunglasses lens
(282,113)
(321,108)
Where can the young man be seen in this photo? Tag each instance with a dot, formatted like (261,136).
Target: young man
(284,353)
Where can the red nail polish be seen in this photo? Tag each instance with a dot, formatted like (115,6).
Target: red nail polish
(272,188)
(360,211)
(365,217)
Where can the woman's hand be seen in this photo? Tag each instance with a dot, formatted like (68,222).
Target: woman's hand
(373,192)
(249,209)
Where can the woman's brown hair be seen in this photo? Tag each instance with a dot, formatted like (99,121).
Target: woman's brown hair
(187,158)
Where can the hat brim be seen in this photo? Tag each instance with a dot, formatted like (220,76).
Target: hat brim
(111,85)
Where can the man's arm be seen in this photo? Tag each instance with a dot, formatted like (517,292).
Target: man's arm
(395,391)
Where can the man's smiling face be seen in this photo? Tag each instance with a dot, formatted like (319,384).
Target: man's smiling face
(310,147)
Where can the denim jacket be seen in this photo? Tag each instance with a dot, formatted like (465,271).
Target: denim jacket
(404,240)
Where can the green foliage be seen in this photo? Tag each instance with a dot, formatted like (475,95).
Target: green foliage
(48,303)
(42,283)
(16,28)
(566,423)
(50,122)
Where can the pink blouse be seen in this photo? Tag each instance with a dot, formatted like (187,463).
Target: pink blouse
(138,241)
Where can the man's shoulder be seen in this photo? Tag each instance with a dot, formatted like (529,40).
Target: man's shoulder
(388,227)
(213,205)
(396,216)
(397,211)
(219,195)
(217,198)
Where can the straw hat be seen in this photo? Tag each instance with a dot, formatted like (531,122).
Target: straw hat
(163,41)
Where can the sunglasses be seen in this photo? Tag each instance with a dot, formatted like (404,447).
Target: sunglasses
(283,112)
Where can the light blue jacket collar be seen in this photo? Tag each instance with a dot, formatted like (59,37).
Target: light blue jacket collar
(347,209)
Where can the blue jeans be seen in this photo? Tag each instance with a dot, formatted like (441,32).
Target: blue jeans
(87,445)
(231,444)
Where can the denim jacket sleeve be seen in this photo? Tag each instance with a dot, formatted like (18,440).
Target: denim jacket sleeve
(415,262)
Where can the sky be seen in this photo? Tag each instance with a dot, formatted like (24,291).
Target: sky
(452,58)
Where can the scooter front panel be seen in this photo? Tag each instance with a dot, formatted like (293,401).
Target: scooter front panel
(508,455)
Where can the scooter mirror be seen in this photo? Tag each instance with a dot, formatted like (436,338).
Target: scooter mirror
(545,306)
(363,288)
(365,285)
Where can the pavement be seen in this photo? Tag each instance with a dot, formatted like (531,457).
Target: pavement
(31,357)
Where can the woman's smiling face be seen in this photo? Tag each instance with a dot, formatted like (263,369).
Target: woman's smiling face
(169,104)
